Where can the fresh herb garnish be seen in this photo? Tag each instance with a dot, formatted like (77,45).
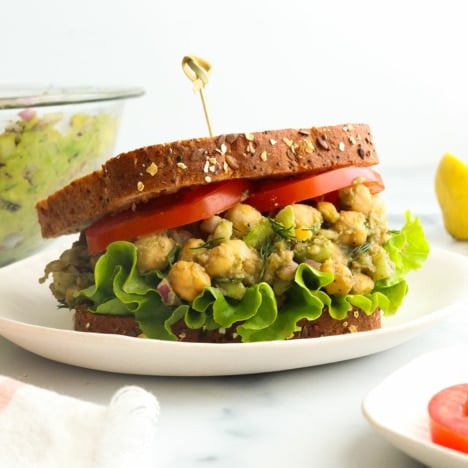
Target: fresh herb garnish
(173,254)
(265,250)
(209,244)
(360,249)
(285,232)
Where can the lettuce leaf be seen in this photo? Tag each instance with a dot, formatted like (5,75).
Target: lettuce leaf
(120,289)
(407,248)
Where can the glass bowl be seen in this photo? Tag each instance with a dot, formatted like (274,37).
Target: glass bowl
(48,137)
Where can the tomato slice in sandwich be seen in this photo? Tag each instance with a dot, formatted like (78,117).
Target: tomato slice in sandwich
(191,205)
(271,195)
(184,207)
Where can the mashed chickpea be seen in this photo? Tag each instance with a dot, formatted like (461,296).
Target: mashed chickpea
(243,218)
(153,252)
(234,259)
(351,227)
(188,279)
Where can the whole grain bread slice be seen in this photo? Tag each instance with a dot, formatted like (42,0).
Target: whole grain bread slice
(355,321)
(145,173)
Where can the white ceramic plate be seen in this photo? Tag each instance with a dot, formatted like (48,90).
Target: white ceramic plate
(397,407)
(30,318)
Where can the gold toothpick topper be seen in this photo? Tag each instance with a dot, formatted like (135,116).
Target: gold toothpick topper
(198,71)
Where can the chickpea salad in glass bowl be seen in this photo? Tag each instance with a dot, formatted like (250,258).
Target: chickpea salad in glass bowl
(49,135)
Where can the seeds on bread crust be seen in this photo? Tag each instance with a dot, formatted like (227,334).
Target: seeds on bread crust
(116,187)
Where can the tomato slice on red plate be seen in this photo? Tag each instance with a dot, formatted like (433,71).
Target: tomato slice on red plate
(448,413)
(184,207)
(270,195)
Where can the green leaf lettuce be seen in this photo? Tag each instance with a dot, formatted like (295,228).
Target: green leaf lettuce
(120,289)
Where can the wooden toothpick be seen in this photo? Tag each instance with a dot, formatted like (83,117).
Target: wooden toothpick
(198,71)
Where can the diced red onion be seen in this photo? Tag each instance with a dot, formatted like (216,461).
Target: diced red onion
(27,114)
(164,291)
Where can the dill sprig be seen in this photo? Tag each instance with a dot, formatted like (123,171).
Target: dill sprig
(173,254)
(360,249)
(264,251)
(285,232)
(209,244)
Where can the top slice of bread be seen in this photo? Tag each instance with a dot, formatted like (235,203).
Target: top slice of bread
(145,173)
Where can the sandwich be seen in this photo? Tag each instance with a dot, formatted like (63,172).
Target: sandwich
(271,235)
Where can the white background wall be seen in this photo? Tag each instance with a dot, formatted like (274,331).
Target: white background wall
(398,65)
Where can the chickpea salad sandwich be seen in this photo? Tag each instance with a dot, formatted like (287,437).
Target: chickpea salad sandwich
(272,235)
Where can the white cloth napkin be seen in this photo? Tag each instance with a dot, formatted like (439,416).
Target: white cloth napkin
(44,429)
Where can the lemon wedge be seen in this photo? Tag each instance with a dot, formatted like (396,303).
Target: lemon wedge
(451,187)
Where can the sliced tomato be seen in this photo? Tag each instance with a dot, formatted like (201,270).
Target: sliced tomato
(448,413)
(271,195)
(184,207)
(190,205)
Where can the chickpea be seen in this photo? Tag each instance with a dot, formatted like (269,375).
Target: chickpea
(351,227)
(234,259)
(153,252)
(221,261)
(188,279)
(223,230)
(243,218)
(362,284)
(275,262)
(329,212)
(343,278)
(192,251)
(378,222)
(280,269)
(356,198)
(307,220)
(209,225)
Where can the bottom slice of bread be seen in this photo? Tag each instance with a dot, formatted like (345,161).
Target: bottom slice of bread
(356,321)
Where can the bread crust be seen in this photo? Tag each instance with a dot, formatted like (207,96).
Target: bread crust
(145,173)
(325,325)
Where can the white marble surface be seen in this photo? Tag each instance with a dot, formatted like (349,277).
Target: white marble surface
(300,418)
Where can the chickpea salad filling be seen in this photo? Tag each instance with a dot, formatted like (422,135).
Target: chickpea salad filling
(259,273)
